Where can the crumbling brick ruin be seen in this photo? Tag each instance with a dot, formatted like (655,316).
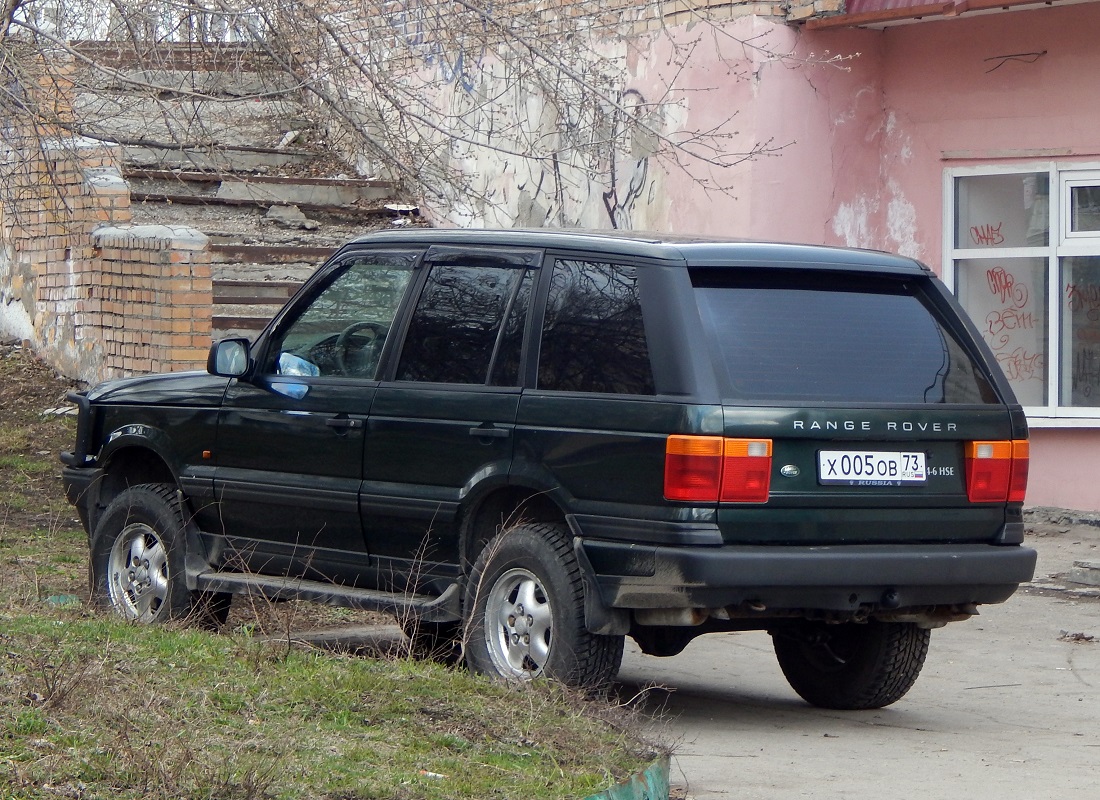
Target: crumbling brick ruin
(95,296)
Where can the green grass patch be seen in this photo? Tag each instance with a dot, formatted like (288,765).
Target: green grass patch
(17,464)
(14,439)
(111,709)
(37,564)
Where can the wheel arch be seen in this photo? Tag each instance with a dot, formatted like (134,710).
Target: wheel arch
(512,505)
(135,463)
(498,509)
(131,465)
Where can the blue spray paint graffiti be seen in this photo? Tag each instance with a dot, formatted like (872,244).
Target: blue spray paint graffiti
(415,25)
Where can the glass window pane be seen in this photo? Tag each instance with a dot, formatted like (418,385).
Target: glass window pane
(593,339)
(827,338)
(1084,209)
(1007,299)
(1081,331)
(453,332)
(1002,210)
(507,362)
(342,330)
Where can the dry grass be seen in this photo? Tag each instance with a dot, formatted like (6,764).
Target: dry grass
(92,707)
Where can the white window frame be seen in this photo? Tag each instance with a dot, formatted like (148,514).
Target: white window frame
(1062,242)
(1070,237)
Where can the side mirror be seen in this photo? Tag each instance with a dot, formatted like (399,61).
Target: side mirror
(228,358)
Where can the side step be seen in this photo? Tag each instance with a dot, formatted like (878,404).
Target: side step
(444,608)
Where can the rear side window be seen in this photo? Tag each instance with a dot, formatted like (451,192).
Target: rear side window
(593,339)
(810,337)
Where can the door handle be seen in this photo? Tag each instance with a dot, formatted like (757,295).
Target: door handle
(343,422)
(490,432)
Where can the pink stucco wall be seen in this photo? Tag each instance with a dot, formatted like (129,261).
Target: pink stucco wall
(950,101)
(870,144)
(1065,469)
(867,142)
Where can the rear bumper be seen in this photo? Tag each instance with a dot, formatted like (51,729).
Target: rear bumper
(844,578)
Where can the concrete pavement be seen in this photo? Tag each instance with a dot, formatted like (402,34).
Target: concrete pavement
(1007,706)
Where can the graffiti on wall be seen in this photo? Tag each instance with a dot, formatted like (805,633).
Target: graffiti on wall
(1082,299)
(628,175)
(456,61)
(534,145)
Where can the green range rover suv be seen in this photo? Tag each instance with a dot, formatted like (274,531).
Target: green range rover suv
(528,445)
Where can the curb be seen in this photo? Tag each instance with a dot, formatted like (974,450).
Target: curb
(649,784)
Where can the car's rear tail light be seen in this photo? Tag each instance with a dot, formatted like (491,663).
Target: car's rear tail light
(1021,461)
(747,471)
(996,471)
(709,469)
(693,468)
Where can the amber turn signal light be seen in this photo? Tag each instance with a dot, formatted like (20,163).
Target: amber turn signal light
(997,471)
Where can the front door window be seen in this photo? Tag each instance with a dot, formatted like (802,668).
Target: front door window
(342,332)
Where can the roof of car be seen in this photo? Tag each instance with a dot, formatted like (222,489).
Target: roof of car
(694,250)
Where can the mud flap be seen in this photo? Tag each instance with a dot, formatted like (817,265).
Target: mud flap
(599,618)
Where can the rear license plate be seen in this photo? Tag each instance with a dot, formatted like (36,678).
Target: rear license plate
(870,468)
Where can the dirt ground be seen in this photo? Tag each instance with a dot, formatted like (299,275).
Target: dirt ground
(33,430)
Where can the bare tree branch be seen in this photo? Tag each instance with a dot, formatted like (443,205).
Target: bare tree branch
(439,95)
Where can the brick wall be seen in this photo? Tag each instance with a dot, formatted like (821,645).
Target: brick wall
(147,299)
(543,18)
(801,10)
(96,297)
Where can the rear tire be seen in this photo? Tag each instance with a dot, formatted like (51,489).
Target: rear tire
(525,605)
(853,665)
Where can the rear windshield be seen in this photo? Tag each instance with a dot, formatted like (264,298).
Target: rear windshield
(832,337)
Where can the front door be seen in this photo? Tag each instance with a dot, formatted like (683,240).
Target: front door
(290,440)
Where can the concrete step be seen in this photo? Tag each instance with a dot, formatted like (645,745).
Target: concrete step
(284,189)
(232,252)
(227,158)
(1085,572)
(244,307)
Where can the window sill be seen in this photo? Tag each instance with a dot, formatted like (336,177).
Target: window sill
(1038,420)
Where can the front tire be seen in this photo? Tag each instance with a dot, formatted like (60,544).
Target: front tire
(525,606)
(853,665)
(138,556)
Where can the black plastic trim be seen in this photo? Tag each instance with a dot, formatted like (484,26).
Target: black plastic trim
(649,531)
(637,576)
(79,457)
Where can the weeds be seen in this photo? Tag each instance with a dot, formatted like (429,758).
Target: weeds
(131,711)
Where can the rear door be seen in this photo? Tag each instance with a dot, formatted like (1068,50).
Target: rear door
(871,391)
(591,430)
(442,425)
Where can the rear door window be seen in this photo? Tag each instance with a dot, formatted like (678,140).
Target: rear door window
(467,326)
(832,338)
